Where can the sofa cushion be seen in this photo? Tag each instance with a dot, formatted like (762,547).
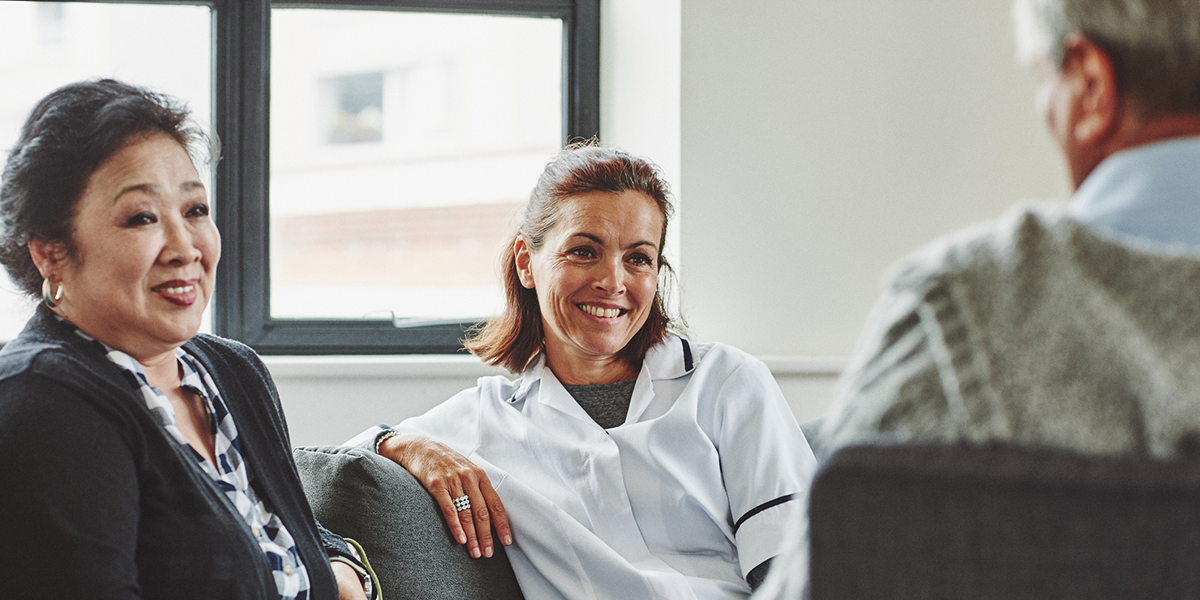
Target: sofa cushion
(361,495)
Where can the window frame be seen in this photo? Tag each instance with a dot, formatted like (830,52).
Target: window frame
(241,86)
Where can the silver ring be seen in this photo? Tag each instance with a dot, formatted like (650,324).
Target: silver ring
(462,503)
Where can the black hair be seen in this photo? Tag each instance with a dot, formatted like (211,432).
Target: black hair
(65,139)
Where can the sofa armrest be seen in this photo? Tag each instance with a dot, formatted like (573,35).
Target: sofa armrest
(361,495)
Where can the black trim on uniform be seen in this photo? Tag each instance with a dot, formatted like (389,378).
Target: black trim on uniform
(762,507)
(758,574)
(688,365)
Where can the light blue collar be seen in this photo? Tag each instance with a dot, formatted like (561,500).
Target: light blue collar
(1150,192)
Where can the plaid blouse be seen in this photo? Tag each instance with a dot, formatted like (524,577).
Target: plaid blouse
(291,578)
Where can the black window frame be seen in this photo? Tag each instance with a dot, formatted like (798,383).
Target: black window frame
(241,87)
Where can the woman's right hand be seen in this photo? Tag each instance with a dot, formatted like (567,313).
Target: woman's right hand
(446,475)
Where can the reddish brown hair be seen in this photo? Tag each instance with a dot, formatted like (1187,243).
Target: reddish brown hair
(513,338)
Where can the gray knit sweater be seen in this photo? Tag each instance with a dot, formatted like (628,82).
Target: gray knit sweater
(1034,330)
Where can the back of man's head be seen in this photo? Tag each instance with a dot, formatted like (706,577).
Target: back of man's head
(1154,45)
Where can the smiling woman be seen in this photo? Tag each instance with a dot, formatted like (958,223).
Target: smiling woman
(106,220)
(595,279)
(44,45)
(628,462)
(584,176)
(145,252)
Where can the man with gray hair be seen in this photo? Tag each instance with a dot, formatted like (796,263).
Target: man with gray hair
(1075,329)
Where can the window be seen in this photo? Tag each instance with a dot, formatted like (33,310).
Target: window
(380,166)
(374,153)
(396,168)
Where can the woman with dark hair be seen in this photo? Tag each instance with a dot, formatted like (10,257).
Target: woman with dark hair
(631,462)
(140,460)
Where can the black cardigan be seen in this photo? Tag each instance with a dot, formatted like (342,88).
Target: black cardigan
(97,501)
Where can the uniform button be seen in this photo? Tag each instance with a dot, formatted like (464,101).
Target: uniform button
(287,569)
(256,531)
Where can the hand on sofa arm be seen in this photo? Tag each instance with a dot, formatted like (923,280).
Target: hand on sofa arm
(446,475)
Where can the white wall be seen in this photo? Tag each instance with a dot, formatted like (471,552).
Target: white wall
(824,139)
(821,141)
(810,144)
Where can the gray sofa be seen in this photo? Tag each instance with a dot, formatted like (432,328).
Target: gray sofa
(923,522)
(374,501)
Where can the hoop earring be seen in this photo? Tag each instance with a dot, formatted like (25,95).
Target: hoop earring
(51,300)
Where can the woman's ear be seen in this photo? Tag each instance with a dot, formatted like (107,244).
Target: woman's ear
(48,257)
(523,259)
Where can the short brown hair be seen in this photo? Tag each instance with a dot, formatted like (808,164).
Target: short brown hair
(513,338)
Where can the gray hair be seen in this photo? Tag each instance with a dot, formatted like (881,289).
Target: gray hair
(1154,44)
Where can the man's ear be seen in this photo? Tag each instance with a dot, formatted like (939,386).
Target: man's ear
(523,261)
(48,257)
(1098,99)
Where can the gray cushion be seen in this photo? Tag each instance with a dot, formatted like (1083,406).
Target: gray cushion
(361,495)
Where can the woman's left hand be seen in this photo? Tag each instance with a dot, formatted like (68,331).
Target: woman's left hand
(350,585)
(447,475)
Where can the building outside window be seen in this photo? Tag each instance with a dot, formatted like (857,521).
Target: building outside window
(402,146)
(352,108)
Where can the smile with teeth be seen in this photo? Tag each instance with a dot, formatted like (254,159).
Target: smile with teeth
(177,290)
(596,311)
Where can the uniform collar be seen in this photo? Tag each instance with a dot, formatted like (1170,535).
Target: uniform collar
(531,377)
(673,358)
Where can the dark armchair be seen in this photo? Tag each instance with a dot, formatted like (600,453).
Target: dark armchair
(941,522)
